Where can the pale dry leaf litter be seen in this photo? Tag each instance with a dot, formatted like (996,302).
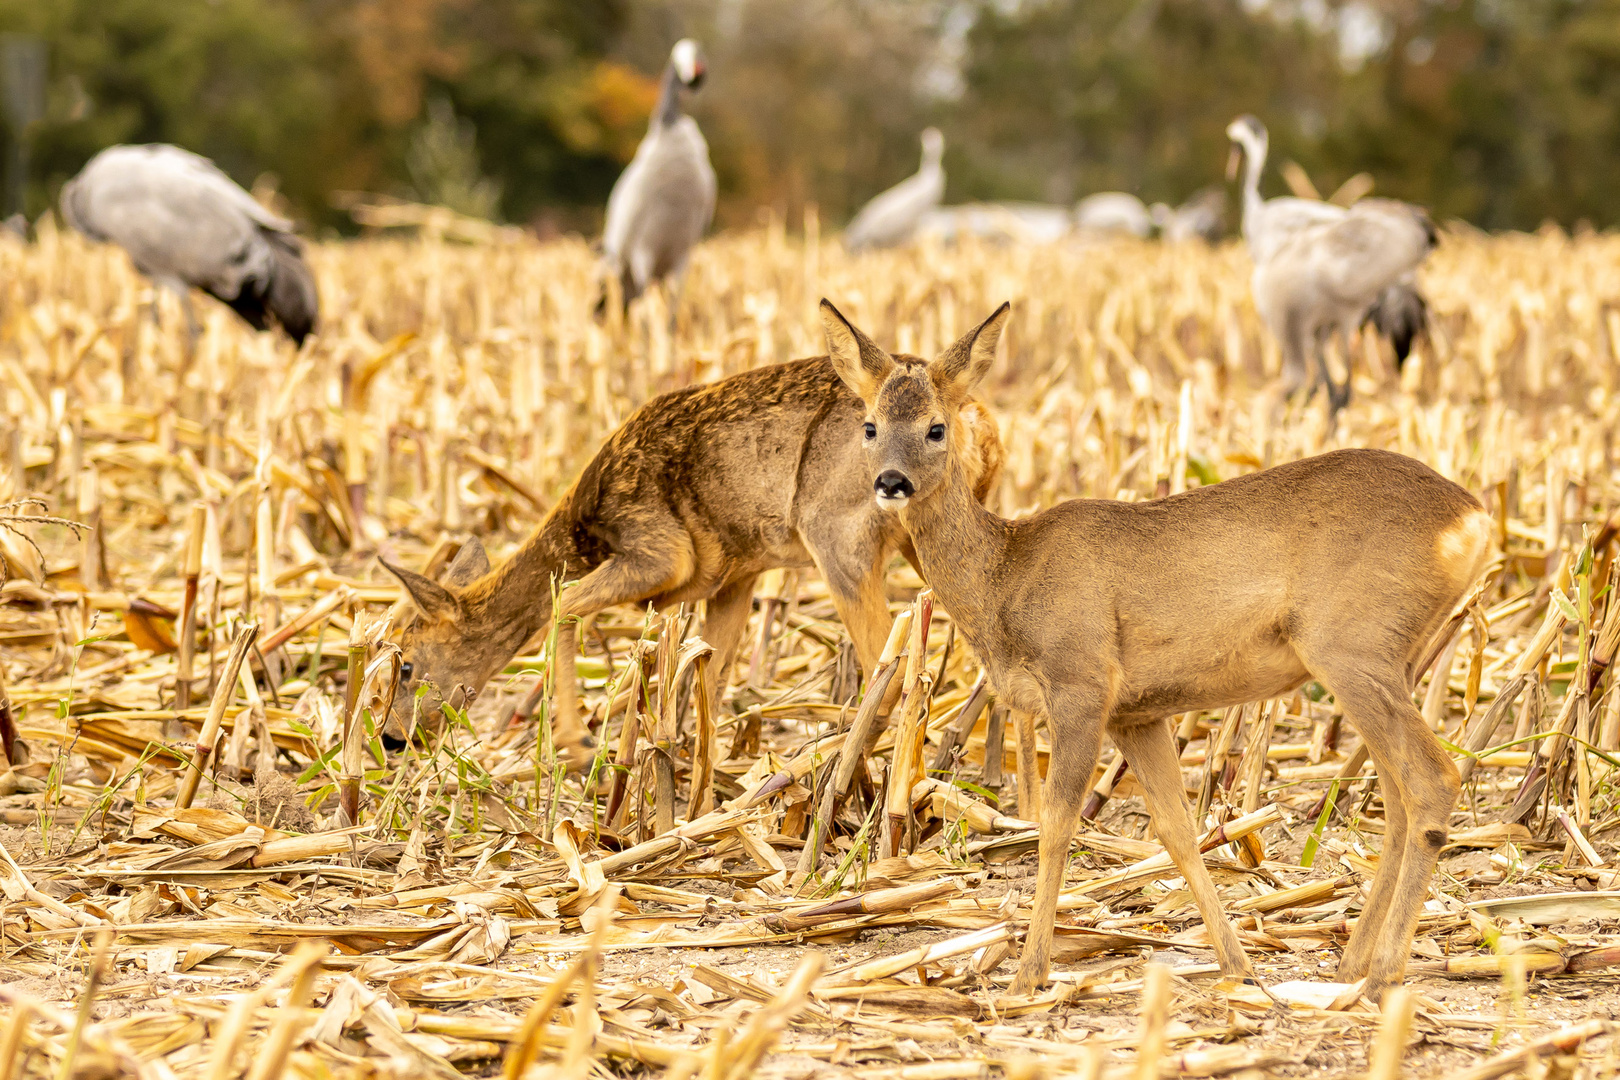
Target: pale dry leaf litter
(461,908)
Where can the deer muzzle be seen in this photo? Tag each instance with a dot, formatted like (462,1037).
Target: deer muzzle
(894,489)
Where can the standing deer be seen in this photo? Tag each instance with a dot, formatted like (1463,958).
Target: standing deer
(694,496)
(1102,614)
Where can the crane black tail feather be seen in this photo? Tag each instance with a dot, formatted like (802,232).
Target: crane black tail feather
(1401,314)
(287,299)
(292,297)
(249,303)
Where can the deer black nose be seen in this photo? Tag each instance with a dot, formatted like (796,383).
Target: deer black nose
(893,484)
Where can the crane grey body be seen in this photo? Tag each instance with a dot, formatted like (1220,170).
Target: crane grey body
(1322,270)
(1202,217)
(664,200)
(186,224)
(1112,212)
(892,217)
(1001,222)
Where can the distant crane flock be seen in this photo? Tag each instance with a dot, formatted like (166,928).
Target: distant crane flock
(1320,270)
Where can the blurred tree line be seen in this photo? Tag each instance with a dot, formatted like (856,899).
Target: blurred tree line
(1503,112)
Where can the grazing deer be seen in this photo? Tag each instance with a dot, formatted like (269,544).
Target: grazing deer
(1116,615)
(694,496)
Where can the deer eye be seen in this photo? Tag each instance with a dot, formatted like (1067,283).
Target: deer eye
(936,433)
(871,430)
(405,671)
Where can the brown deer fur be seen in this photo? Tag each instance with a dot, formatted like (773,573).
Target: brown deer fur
(696,494)
(1102,614)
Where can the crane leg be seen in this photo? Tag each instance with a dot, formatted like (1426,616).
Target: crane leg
(1338,396)
(1349,361)
(193,327)
(1296,375)
(674,285)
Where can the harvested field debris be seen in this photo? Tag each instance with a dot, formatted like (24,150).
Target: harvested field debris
(212,866)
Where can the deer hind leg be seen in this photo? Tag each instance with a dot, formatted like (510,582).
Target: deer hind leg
(1375,911)
(625,578)
(1151,750)
(1420,789)
(1076,726)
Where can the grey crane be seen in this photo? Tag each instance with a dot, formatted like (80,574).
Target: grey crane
(893,216)
(999,222)
(186,224)
(1117,212)
(1323,280)
(1399,311)
(1202,217)
(664,200)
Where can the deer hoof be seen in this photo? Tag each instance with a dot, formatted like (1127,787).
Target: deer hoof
(1349,971)
(1026,983)
(1376,988)
(576,754)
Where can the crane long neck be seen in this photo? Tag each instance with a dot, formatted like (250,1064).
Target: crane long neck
(1255,153)
(668,109)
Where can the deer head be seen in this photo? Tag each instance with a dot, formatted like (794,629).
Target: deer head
(915,427)
(438,646)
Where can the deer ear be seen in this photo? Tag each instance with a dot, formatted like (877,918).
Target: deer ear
(431,599)
(470,564)
(965,363)
(860,363)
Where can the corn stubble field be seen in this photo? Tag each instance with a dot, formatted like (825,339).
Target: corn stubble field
(487,914)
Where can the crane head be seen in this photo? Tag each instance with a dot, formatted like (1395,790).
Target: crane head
(1248,134)
(1246,128)
(687,60)
(933,144)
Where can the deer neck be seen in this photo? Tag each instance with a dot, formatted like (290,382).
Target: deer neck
(958,543)
(512,603)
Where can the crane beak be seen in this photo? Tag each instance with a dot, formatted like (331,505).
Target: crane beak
(1234,158)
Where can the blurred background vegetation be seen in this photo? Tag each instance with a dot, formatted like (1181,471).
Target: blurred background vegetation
(1502,112)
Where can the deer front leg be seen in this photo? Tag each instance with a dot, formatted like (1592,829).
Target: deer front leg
(1151,750)
(569,736)
(725,617)
(625,578)
(1076,727)
(864,609)
(1029,766)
